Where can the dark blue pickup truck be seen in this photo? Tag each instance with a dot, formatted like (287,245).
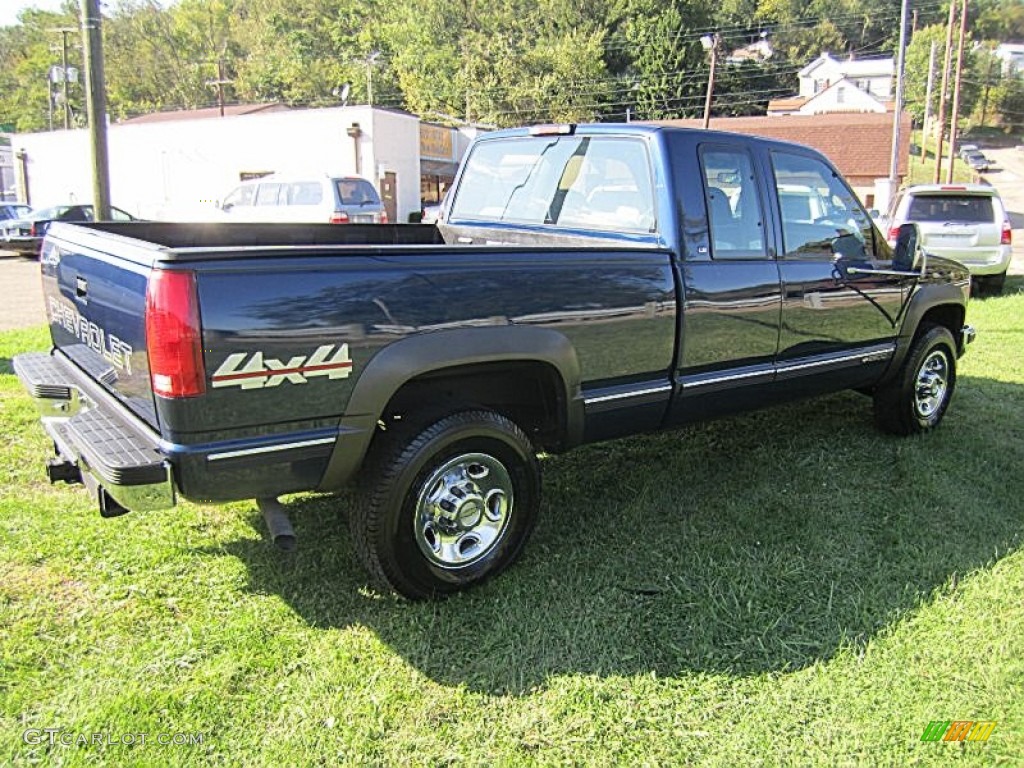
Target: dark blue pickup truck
(585,282)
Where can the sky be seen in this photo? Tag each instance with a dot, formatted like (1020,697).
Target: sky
(9,9)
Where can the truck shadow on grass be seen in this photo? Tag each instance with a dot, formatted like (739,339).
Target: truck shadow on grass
(762,543)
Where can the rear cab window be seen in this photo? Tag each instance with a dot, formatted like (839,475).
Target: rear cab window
(571,182)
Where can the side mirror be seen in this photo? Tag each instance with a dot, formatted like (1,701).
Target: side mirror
(908,256)
(226,207)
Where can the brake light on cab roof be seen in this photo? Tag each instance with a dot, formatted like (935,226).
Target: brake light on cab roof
(562,129)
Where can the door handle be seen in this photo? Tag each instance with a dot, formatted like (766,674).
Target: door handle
(81,287)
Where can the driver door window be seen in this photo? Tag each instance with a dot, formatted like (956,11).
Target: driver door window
(820,215)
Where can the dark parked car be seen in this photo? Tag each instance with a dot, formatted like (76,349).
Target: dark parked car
(25,234)
(14,211)
(976,160)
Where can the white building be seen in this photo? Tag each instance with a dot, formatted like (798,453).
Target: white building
(177,165)
(830,85)
(1012,57)
(8,187)
(874,76)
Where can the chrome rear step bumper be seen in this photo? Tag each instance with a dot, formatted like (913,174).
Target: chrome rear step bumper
(118,456)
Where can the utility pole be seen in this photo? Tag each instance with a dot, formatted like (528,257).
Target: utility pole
(928,104)
(894,160)
(710,42)
(96,99)
(942,93)
(219,84)
(65,76)
(64,31)
(956,93)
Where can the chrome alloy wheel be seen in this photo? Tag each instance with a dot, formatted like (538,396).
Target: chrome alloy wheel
(463,510)
(932,384)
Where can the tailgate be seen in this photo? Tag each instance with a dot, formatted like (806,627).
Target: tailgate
(94,288)
(963,242)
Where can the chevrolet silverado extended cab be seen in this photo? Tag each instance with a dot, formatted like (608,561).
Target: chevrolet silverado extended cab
(585,282)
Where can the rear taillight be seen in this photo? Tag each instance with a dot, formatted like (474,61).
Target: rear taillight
(894,233)
(1007,237)
(383,217)
(173,336)
(35,230)
(338,217)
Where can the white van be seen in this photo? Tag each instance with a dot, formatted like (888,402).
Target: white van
(310,199)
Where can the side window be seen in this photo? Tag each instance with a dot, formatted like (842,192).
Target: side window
(268,193)
(821,217)
(305,193)
(240,196)
(735,219)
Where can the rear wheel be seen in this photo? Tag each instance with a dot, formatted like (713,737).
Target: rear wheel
(991,283)
(916,400)
(448,506)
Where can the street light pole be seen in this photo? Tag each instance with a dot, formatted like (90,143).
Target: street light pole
(64,78)
(894,161)
(710,42)
(371,61)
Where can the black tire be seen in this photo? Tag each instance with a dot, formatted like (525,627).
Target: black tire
(992,284)
(478,463)
(916,399)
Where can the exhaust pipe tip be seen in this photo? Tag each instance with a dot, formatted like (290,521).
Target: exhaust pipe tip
(278,525)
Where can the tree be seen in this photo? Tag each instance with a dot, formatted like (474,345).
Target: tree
(157,59)
(27,53)
(1008,98)
(303,51)
(503,62)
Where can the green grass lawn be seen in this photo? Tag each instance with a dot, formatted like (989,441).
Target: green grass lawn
(924,173)
(784,588)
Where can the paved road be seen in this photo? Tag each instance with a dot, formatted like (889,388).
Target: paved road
(1008,178)
(22,304)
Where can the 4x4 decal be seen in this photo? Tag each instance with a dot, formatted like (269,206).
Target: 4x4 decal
(259,372)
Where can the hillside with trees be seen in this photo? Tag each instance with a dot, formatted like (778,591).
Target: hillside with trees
(497,62)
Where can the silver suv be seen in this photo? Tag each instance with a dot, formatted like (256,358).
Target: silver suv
(309,199)
(964,222)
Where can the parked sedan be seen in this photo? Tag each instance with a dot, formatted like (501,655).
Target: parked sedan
(14,211)
(976,160)
(25,235)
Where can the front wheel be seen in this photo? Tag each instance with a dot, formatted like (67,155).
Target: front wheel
(447,507)
(916,400)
